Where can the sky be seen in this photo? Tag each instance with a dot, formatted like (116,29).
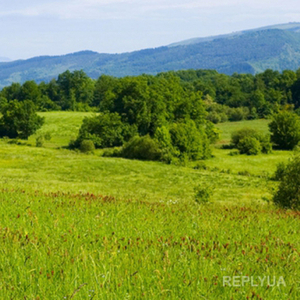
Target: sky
(54,27)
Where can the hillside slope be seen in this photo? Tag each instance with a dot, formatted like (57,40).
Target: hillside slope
(247,52)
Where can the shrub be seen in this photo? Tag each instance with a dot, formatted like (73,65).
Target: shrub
(105,130)
(280,171)
(251,142)
(224,117)
(201,166)
(144,148)
(266,145)
(39,141)
(253,114)
(238,114)
(237,136)
(48,136)
(288,193)
(203,193)
(112,152)
(249,146)
(87,146)
(214,117)
(234,153)
(285,130)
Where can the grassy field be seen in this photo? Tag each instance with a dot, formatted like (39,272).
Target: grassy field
(63,126)
(229,127)
(78,226)
(72,246)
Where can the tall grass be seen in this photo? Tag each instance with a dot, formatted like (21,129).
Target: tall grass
(78,226)
(57,245)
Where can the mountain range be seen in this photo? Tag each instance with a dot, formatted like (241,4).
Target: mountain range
(274,47)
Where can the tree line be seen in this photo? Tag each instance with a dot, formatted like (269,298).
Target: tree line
(168,117)
(240,96)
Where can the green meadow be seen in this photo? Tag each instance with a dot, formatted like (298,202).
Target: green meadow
(83,226)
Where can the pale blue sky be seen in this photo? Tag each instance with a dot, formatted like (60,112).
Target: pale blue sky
(51,27)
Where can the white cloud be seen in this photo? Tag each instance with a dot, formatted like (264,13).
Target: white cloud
(130,9)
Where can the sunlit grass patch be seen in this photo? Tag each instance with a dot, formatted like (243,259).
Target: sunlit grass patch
(52,244)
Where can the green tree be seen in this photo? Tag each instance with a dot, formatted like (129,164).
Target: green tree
(285,130)
(19,119)
(257,99)
(30,91)
(288,193)
(105,130)
(74,88)
(189,141)
(12,92)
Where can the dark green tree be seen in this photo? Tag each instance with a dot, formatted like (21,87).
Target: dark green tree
(75,90)
(19,119)
(30,91)
(288,193)
(105,130)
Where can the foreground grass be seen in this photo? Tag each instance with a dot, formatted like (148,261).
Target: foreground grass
(147,239)
(68,246)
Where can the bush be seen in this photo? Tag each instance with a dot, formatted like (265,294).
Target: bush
(112,152)
(48,136)
(249,146)
(41,138)
(238,114)
(87,146)
(39,141)
(251,142)
(237,136)
(234,153)
(201,166)
(203,193)
(266,145)
(214,117)
(288,193)
(280,171)
(105,130)
(224,117)
(144,148)
(285,130)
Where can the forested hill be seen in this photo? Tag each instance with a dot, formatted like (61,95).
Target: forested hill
(245,52)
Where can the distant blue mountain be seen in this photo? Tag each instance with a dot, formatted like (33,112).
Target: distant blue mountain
(251,51)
